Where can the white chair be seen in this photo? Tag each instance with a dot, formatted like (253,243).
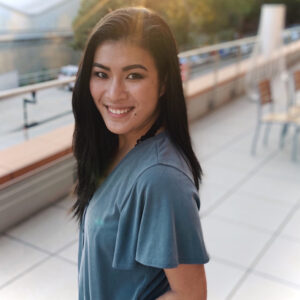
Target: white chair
(266,102)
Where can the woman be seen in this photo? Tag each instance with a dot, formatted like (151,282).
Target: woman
(140,235)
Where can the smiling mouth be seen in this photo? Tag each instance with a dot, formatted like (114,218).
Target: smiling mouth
(116,111)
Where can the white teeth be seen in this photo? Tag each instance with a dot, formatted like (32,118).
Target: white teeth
(119,111)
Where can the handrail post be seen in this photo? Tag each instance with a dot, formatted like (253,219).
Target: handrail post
(33,100)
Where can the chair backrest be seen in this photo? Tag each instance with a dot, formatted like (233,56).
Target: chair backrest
(264,90)
(297,80)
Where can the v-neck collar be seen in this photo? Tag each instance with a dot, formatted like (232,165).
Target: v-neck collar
(128,154)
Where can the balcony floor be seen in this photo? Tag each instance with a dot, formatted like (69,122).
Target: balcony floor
(249,211)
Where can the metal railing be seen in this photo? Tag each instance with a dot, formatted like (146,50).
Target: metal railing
(33,89)
(206,59)
(235,51)
(36,77)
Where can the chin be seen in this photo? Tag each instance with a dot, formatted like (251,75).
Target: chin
(117,130)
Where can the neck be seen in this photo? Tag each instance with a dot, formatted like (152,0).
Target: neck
(127,143)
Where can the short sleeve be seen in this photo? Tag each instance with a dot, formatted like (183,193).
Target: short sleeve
(159,224)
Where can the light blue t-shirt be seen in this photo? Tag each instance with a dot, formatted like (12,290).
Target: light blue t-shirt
(143,218)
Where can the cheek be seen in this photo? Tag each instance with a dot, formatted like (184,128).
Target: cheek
(147,94)
(147,105)
(96,93)
(96,96)
(93,89)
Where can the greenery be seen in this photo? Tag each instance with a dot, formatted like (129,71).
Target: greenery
(193,22)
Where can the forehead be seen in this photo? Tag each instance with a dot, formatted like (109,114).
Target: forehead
(122,53)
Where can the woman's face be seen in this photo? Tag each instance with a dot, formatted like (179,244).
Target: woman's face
(125,88)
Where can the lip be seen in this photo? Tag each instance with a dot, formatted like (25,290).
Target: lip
(119,108)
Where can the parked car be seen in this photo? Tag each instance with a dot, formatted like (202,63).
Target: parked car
(295,34)
(229,52)
(199,60)
(66,72)
(246,49)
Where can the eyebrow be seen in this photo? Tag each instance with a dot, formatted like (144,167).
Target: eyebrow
(127,68)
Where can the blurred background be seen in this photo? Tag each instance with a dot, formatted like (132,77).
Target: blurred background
(240,66)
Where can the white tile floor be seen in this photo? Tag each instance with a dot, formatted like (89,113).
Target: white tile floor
(250,216)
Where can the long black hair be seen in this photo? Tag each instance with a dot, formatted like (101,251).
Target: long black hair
(94,146)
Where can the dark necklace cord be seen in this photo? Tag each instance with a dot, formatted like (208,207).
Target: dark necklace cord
(151,132)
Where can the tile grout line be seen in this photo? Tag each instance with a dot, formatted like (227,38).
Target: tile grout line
(253,227)
(258,273)
(41,250)
(250,173)
(271,200)
(65,247)
(227,194)
(21,274)
(238,185)
(226,145)
(71,262)
(277,279)
(34,266)
(30,245)
(229,263)
(264,250)
(240,223)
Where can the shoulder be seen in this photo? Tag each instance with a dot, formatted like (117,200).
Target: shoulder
(163,173)
(161,155)
(165,184)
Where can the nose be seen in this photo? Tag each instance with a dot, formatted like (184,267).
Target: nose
(116,89)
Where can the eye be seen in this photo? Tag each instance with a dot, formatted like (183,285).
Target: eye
(101,75)
(135,76)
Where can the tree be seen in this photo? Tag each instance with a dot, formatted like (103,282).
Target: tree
(216,20)
(173,11)
(90,12)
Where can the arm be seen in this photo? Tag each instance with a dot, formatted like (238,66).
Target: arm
(187,282)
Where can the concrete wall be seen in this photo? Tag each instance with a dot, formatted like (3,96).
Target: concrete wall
(21,51)
(29,56)
(36,191)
